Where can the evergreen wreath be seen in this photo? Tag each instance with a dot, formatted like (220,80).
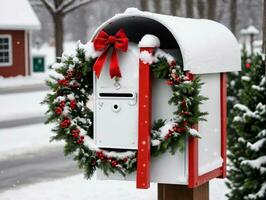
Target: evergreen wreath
(72,87)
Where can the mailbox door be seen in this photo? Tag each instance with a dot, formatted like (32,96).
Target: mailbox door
(116,104)
(166,168)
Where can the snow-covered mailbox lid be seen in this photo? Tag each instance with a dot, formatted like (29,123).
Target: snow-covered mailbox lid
(205,48)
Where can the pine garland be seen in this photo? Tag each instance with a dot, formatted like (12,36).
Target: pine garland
(71,89)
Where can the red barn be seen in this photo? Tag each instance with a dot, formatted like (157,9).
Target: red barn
(17,19)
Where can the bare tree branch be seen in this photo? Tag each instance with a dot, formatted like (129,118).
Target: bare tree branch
(77,5)
(64,5)
(49,6)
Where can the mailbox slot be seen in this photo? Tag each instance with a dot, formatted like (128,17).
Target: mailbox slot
(117,95)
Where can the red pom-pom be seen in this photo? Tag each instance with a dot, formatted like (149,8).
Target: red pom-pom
(58,110)
(73,104)
(248,65)
(65,123)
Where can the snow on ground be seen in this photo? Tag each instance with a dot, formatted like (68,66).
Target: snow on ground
(25,139)
(20,81)
(37,78)
(76,187)
(218,189)
(21,105)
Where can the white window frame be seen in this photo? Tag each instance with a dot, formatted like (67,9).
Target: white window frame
(10,63)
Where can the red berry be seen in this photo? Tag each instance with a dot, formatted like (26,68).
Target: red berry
(113,163)
(185,123)
(69,75)
(65,123)
(75,131)
(186,113)
(173,63)
(125,159)
(175,129)
(58,110)
(189,76)
(177,78)
(82,137)
(62,104)
(170,82)
(184,104)
(248,65)
(101,157)
(182,129)
(73,104)
(63,82)
(80,141)
(170,132)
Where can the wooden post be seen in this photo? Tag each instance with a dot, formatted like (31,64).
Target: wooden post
(182,192)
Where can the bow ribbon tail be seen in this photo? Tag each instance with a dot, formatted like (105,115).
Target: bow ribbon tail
(114,65)
(98,65)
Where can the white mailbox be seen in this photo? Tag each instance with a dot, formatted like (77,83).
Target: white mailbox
(206,48)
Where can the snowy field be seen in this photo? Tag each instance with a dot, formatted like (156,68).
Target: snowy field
(21,105)
(25,139)
(76,187)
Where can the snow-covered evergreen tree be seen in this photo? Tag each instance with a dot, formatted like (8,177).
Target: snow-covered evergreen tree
(247,129)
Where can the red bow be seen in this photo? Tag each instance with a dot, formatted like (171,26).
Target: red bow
(102,42)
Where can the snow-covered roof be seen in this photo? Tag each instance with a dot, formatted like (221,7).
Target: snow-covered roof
(17,15)
(206,46)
